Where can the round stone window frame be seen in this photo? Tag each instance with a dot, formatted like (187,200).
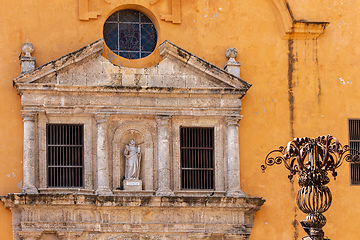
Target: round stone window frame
(155,23)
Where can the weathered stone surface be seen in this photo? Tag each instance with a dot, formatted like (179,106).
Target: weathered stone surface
(115,105)
(135,217)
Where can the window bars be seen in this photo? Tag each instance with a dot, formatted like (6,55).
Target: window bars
(65,155)
(197,158)
(354,142)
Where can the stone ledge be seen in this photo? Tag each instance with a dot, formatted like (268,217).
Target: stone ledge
(49,88)
(57,199)
(79,216)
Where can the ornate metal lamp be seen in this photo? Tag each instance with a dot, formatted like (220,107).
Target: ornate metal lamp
(311,159)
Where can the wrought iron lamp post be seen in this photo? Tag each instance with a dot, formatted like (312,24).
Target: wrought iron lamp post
(311,159)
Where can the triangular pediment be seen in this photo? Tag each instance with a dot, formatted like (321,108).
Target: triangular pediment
(87,67)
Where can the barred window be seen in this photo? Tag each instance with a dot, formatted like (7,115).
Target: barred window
(354,142)
(65,155)
(197,158)
(130,34)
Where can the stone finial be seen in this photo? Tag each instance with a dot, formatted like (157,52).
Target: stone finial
(27,48)
(231,53)
(27,61)
(232,66)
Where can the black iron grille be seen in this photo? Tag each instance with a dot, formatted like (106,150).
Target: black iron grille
(197,158)
(354,142)
(65,155)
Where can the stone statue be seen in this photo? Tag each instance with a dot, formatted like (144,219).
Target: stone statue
(132,163)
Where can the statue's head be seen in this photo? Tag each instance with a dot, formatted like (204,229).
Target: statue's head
(132,142)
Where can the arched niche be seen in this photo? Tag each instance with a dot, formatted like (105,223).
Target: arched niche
(142,136)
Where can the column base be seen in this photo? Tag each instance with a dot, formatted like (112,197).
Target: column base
(237,193)
(103,191)
(164,192)
(29,189)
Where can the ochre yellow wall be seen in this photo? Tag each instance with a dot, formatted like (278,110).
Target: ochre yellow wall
(322,79)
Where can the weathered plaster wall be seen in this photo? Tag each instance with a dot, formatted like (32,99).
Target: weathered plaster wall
(322,94)
(321,76)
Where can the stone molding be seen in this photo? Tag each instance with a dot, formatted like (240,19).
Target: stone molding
(89,147)
(166,48)
(220,151)
(80,215)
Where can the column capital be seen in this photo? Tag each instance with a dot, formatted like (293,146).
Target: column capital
(28,115)
(101,117)
(233,120)
(163,119)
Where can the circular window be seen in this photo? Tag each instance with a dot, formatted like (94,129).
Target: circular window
(130,34)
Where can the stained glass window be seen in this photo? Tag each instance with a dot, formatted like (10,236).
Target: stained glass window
(130,34)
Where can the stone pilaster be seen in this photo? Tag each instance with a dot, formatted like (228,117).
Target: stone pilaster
(29,152)
(233,161)
(102,154)
(164,174)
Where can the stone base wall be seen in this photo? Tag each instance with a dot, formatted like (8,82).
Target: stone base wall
(88,216)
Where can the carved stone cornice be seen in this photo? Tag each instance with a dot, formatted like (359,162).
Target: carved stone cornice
(67,199)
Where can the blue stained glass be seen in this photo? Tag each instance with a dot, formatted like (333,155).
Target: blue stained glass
(130,55)
(112,37)
(148,37)
(145,19)
(130,34)
(145,54)
(129,16)
(113,18)
(129,37)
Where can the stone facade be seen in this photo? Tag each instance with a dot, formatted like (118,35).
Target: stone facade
(88,216)
(116,104)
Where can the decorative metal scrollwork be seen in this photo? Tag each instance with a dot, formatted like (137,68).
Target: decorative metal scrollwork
(312,159)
